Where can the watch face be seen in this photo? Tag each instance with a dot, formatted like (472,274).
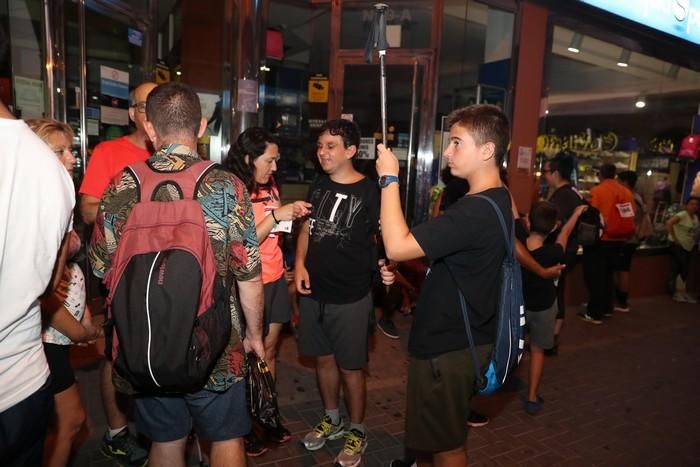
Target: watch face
(386,180)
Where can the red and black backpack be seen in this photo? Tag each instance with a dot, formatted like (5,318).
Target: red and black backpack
(168,304)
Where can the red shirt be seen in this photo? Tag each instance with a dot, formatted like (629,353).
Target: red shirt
(108,159)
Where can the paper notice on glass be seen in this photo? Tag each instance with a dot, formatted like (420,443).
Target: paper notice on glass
(247,96)
(114,116)
(29,96)
(524,158)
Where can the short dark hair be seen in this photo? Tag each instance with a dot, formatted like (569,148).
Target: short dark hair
(173,108)
(543,217)
(487,124)
(252,143)
(563,164)
(628,177)
(607,171)
(347,130)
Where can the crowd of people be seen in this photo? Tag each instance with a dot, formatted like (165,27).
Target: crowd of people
(341,256)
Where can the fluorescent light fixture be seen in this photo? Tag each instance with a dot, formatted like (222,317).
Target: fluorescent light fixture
(575,44)
(641,103)
(624,60)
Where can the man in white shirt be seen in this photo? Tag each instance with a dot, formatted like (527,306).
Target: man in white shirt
(36,203)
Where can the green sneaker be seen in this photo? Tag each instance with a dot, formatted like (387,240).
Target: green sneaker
(322,432)
(355,445)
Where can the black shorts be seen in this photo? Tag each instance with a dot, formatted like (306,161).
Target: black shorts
(277,304)
(336,329)
(438,400)
(58,357)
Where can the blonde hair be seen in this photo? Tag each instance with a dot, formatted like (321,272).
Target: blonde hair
(44,127)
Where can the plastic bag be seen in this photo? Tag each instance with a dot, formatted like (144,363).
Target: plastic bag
(262,396)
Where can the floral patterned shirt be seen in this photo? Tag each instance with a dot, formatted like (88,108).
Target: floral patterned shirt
(229,217)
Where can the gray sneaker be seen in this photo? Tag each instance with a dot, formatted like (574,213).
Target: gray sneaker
(322,432)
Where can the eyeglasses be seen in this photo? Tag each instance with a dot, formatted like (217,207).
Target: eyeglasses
(140,107)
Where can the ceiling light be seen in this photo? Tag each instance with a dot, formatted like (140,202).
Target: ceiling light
(649,173)
(641,103)
(178,72)
(546,112)
(624,60)
(575,44)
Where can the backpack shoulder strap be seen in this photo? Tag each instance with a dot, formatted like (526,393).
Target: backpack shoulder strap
(148,180)
(510,238)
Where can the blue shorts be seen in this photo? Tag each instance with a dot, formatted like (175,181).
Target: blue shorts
(216,416)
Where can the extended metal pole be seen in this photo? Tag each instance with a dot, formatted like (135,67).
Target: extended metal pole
(411,130)
(382,44)
(382,92)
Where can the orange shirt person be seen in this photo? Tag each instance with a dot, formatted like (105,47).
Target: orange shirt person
(110,157)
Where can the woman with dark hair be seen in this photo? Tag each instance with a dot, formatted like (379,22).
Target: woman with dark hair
(253,158)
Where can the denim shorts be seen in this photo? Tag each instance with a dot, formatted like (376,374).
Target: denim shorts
(215,416)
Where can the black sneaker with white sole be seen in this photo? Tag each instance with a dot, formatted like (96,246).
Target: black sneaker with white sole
(388,328)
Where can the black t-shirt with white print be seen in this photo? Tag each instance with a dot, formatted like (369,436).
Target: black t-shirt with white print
(342,254)
(468,237)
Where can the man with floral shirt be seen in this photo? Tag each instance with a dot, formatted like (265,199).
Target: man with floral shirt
(218,411)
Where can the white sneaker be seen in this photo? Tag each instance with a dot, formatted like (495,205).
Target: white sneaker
(355,445)
(322,432)
(683,298)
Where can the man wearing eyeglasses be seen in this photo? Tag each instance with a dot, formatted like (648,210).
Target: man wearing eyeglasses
(108,159)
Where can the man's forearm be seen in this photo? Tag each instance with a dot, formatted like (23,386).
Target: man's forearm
(302,244)
(393,224)
(88,208)
(251,296)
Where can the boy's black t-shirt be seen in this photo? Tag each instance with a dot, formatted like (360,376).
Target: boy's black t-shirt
(540,293)
(342,254)
(468,237)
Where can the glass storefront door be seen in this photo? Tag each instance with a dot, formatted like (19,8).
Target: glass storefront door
(112,44)
(360,101)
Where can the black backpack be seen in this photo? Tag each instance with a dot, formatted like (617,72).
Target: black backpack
(509,344)
(590,227)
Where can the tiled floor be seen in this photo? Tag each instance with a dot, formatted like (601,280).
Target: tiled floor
(624,393)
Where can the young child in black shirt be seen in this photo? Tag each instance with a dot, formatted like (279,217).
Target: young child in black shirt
(541,294)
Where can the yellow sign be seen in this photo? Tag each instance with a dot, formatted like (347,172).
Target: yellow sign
(162,74)
(318,90)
